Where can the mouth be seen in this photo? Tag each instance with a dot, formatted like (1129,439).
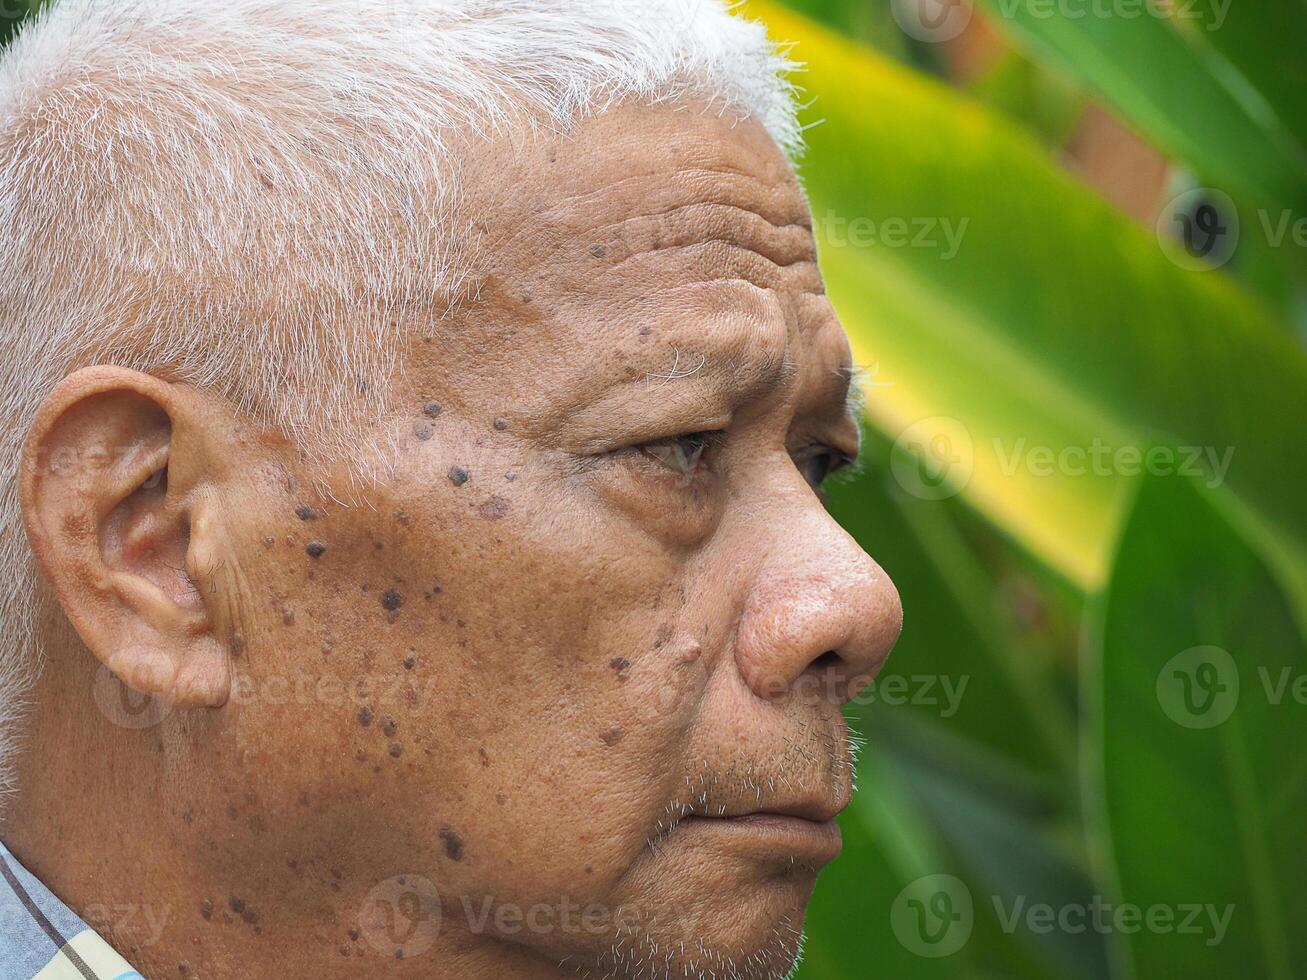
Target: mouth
(801,832)
(773,834)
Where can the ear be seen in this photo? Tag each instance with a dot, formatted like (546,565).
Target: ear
(112,489)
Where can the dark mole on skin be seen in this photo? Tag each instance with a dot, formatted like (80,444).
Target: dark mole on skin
(621,665)
(288,617)
(306,513)
(388,726)
(612,736)
(395,750)
(315,549)
(458,475)
(501,424)
(453,844)
(431,409)
(391,600)
(423,431)
(206,909)
(365,715)
(409,661)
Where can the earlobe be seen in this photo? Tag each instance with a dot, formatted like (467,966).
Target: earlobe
(113,534)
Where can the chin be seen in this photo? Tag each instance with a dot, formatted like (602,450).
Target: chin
(771,953)
(750,929)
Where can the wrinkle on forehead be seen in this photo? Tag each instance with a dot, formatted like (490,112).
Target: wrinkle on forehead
(530,198)
(658,249)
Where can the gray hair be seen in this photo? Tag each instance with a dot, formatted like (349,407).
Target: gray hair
(242,195)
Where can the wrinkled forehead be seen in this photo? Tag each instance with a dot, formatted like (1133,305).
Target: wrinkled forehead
(631,179)
(663,240)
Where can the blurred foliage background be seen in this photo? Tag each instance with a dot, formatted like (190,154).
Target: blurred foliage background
(1069,241)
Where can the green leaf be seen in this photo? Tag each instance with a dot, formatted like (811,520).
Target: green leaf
(1172,85)
(1262,40)
(1042,101)
(1054,325)
(1202,780)
(1009,849)
(859,922)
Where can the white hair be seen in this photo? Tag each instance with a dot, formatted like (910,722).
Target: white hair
(251,195)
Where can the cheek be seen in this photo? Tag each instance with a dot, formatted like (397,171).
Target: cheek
(662,508)
(524,664)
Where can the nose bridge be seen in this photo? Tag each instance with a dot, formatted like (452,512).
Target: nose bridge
(818,604)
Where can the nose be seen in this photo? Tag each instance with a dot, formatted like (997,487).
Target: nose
(821,617)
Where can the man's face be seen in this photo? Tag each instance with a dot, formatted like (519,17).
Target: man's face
(579,660)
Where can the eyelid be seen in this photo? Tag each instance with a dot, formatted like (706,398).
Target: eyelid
(645,431)
(840,461)
(710,440)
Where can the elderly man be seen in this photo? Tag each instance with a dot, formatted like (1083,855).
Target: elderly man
(415,560)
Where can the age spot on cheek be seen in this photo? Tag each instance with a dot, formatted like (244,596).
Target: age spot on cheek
(453,844)
(494,508)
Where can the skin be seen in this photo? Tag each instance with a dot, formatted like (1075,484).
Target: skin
(549,634)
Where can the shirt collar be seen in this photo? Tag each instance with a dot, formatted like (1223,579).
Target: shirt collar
(43,939)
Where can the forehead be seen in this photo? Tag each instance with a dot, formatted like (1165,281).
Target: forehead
(667,243)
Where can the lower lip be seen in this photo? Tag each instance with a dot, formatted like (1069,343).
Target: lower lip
(782,836)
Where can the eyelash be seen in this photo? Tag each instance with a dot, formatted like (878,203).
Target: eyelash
(661,450)
(695,446)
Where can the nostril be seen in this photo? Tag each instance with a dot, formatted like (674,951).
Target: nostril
(828,660)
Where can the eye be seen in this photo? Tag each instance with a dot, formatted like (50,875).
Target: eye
(681,454)
(817,463)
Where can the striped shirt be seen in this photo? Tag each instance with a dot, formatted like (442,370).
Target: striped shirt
(40,939)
